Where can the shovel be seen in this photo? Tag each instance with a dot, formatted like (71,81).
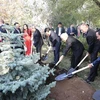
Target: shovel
(45,56)
(63,76)
(73,69)
(56,64)
(96,95)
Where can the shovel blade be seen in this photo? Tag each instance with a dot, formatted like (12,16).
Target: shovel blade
(70,71)
(61,77)
(96,95)
(44,57)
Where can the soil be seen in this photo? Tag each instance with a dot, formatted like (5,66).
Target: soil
(72,89)
(69,89)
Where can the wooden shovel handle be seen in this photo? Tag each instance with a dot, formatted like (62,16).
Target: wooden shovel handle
(80,70)
(83,59)
(72,73)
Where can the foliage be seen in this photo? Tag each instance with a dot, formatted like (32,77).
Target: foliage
(74,11)
(24,11)
(83,41)
(51,11)
(21,78)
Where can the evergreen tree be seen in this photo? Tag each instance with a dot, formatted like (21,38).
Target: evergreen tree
(21,78)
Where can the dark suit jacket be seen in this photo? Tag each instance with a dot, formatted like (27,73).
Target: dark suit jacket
(92,40)
(70,31)
(37,38)
(17,31)
(54,39)
(62,30)
(73,44)
(2,29)
(97,61)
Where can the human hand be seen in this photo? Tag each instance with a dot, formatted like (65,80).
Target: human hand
(61,58)
(87,54)
(90,65)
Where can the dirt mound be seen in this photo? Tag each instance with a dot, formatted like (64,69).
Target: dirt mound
(72,89)
(69,89)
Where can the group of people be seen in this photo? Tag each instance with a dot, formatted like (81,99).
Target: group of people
(32,37)
(93,41)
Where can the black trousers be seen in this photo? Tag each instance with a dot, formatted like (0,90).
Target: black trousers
(93,70)
(57,52)
(39,49)
(76,57)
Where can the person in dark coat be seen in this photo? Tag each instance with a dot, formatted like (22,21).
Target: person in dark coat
(93,49)
(37,39)
(97,61)
(76,46)
(2,29)
(71,31)
(17,29)
(60,29)
(94,63)
(55,44)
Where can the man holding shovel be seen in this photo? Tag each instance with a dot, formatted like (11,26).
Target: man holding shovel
(93,49)
(55,44)
(76,46)
(97,61)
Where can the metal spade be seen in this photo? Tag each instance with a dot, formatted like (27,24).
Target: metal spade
(96,95)
(45,56)
(73,69)
(64,75)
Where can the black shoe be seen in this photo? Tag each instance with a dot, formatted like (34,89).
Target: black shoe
(88,81)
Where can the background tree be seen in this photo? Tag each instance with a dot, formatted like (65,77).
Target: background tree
(74,11)
(51,11)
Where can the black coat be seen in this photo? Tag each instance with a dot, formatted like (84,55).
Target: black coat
(2,29)
(92,40)
(75,45)
(37,38)
(93,49)
(70,31)
(62,30)
(54,39)
(17,31)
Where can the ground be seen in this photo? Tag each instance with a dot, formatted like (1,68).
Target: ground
(72,89)
(75,88)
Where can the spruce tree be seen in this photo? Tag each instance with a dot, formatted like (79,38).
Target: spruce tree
(21,78)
